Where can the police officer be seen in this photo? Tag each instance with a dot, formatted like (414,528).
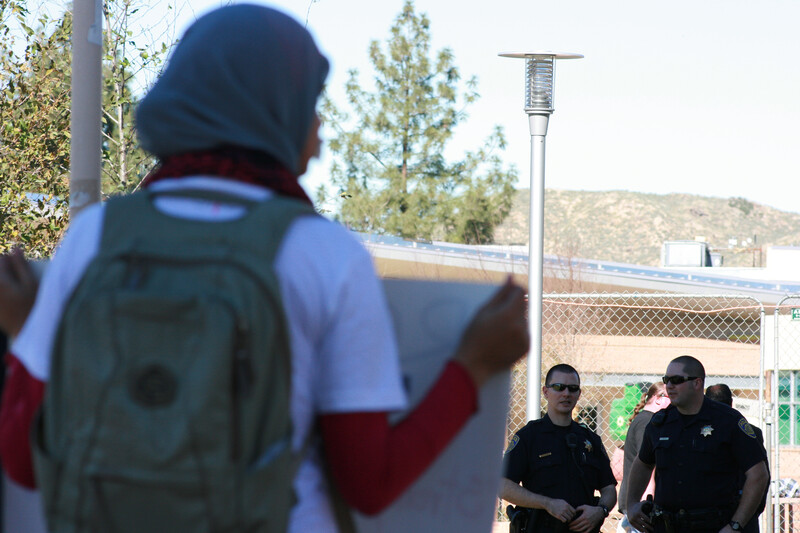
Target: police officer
(698,448)
(722,393)
(560,464)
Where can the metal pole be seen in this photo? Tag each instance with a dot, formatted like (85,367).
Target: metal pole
(764,415)
(539,82)
(773,429)
(535,253)
(85,117)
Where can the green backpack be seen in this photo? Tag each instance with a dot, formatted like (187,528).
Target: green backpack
(167,407)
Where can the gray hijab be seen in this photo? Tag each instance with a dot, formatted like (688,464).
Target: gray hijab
(242,75)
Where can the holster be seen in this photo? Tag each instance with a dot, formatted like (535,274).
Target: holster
(519,519)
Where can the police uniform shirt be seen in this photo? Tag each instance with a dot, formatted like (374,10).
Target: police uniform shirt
(551,460)
(698,458)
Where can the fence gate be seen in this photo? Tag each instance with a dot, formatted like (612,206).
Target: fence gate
(621,343)
(784,357)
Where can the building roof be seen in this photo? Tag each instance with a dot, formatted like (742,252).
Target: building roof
(401,258)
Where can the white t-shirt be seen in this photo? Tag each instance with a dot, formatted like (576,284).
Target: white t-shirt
(344,356)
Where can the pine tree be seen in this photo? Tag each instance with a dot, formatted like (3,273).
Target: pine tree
(389,163)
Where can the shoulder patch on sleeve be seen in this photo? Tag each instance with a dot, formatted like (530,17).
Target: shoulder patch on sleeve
(746,428)
(513,443)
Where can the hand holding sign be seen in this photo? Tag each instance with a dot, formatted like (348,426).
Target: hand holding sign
(497,336)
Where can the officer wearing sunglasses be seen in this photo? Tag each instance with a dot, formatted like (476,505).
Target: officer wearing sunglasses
(698,448)
(560,465)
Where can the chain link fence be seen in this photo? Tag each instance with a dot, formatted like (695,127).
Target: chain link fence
(621,343)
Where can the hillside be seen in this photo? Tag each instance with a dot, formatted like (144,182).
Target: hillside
(630,227)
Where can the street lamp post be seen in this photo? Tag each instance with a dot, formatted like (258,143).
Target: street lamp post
(539,81)
(86,113)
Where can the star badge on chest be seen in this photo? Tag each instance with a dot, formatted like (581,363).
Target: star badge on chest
(706,431)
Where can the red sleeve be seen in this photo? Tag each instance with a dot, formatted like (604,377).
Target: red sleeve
(372,463)
(22,396)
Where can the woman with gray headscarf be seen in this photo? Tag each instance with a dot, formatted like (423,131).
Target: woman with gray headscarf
(234,113)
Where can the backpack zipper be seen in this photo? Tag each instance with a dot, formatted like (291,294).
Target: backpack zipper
(242,381)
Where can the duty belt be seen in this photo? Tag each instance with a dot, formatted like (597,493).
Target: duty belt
(711,518)
(549,523)
(524,520)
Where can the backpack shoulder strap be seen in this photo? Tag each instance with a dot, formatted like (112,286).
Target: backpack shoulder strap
(258,232)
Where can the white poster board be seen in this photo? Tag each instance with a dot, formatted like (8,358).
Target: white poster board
(458,492)
(22,509)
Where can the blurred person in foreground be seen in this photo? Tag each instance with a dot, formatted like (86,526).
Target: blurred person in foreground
(559,464)
(698,448)
(722,393)
(652,401)
(233,122)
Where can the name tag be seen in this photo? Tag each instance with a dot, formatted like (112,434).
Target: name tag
(664,438)
(545,454)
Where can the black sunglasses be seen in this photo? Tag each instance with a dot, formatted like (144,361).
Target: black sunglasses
(677,380)
(559,387)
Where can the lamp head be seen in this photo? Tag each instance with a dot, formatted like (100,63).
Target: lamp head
(539,75)
(539,79)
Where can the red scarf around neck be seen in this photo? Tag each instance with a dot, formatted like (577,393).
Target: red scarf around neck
(234,163)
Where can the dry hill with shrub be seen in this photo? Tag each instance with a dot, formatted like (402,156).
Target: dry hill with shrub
(630,227)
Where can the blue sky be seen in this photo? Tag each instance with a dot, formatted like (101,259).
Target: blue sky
(699,97)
